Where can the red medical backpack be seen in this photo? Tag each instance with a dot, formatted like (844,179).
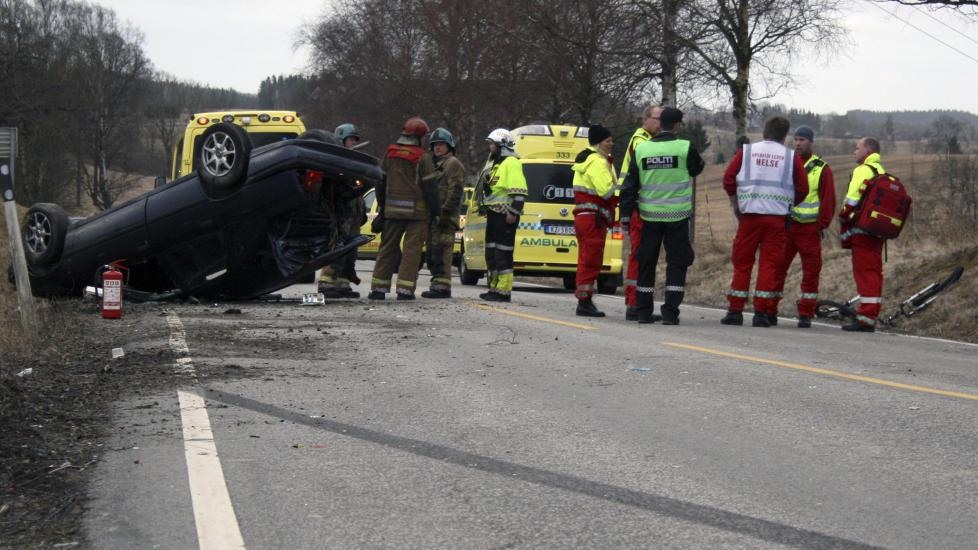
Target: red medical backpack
(884,207)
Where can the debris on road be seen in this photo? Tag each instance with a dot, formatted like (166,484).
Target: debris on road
(642,370)
(118,353)
(25,372)
(232,311)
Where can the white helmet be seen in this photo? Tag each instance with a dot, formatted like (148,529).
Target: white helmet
(502,138)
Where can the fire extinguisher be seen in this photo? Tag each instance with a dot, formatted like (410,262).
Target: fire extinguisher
(111,292)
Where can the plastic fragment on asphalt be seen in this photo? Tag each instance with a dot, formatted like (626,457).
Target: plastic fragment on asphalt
(25,372)
(117,353)
(314,299)
(641,369)
(914,408)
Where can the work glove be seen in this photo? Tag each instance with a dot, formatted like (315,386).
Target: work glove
(377,226)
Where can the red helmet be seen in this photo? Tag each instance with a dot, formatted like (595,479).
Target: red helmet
(415,126)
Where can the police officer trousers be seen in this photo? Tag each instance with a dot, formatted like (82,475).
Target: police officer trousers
(500,244)
(679,256)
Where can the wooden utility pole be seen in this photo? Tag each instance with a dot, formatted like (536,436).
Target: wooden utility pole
(8,153)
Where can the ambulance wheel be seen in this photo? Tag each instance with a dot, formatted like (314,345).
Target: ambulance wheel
(222,155)
(607,285)
(466,275)
(570,281)
(44,230)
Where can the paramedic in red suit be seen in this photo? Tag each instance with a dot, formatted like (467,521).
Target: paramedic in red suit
(867,250)
(764,180)
(808,222)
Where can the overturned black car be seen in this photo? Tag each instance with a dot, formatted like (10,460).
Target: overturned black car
(244,223)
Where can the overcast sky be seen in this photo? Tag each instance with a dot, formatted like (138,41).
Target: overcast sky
(889,65)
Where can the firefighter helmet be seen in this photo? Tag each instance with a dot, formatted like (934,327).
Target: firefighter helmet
(502,138)
(441,135)
(415,127)
(344,131)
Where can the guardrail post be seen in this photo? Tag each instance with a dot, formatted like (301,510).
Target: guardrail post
(25,301)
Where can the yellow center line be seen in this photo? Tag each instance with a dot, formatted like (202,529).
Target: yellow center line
(531,317)
(827,372)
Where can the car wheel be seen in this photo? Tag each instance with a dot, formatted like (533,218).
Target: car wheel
(466,275)
(44,230)
(607,285)
(324,136)
(570,281)
(222,155)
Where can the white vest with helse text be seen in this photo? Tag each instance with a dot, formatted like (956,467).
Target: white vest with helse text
(765,183)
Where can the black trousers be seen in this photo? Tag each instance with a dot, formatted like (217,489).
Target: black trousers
(679,256)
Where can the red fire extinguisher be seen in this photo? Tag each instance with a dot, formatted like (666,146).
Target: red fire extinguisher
(111,292)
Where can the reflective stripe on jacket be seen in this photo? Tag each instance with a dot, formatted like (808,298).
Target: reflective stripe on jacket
(807,211)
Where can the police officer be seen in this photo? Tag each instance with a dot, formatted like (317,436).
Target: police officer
(660,185)
(594,212)
(650,126)
(502,200)
(451,183)
(403,198)
(334,281)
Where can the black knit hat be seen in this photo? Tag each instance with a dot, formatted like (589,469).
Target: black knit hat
(597,133)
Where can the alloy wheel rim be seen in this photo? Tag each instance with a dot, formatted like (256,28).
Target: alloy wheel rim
(218,154)
(39,232)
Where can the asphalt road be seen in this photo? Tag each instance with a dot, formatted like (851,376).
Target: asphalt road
(453,424)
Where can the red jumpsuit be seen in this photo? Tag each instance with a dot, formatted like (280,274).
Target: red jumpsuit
(759,231)
(806,239)
(631,275)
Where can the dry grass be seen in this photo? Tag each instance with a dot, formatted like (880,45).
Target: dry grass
(930,248)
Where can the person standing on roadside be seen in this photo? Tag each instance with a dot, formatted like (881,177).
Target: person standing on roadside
(502,200)
(650,126)
(764,180)
(809,220)
(594,213)
(867,250)
(451,183)
(659,187)
(335,279)
(404,199)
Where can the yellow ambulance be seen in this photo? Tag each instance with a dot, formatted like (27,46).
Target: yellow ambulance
(263,127)
(546,245)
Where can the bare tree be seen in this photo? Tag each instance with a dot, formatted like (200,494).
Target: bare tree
(758,34)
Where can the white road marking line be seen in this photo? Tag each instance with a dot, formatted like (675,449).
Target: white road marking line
(217,526)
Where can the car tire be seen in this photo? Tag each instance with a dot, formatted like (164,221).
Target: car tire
(570,281)
(44,230)
(608,284)
(466,275)
(324,136)
(222,155)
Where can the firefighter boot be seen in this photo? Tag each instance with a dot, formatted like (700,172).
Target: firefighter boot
(586,308)
(804,322)
(494,297)
(733,318)
(376,295)
(437,293)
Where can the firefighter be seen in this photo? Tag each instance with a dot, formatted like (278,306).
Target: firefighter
(451,182)
(764,180)
(335,279)
(502,200)
(594,213)
(650,125)
(809,220)
(659,187)
(409,187)
(867,250)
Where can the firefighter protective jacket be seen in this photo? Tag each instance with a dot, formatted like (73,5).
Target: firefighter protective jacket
(407,169)
(451,183)
(594,184)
